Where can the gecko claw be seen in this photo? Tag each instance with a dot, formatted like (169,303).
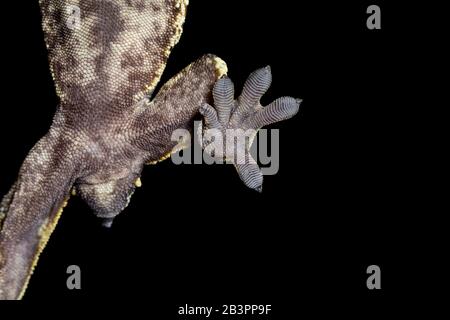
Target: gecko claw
(107,222)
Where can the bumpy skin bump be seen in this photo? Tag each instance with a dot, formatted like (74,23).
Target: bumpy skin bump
(106,127)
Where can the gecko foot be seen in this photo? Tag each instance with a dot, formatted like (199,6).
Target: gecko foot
(231,125)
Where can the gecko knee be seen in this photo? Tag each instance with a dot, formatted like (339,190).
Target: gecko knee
(107,199)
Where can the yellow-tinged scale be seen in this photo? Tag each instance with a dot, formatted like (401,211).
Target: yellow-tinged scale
(138,183)
(45,232)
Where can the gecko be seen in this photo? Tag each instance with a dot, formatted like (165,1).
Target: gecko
(109,122)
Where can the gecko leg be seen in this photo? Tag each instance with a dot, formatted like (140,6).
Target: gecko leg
(175,107)
(30,211)
(236,122)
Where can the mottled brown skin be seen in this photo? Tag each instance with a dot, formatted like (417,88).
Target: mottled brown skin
(106,126)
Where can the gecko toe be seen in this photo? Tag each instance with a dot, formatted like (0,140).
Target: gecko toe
(107,222)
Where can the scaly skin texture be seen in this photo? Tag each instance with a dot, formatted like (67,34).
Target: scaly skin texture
(106,126)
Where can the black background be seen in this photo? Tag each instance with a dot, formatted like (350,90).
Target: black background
(193,233)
